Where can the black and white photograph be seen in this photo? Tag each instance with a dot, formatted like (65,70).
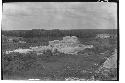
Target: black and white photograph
(60,41)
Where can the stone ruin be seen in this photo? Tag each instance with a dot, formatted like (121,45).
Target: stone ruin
(69,45)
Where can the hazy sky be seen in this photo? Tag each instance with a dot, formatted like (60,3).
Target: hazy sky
(59,15)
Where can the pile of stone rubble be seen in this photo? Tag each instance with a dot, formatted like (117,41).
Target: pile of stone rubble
(69,45)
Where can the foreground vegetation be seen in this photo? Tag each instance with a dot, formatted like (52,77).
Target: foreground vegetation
(58,66)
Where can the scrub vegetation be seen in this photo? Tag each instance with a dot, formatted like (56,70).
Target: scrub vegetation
(86,65)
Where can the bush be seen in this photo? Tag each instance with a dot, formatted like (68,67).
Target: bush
(48,53)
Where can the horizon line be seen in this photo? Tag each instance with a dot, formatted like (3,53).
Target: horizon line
(51,29)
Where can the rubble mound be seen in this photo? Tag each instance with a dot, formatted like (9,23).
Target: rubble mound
(69,45)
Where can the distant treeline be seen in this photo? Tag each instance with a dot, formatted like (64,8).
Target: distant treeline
(81,33)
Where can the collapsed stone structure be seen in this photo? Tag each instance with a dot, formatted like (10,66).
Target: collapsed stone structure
(103,36)
(19,50)
(69,45)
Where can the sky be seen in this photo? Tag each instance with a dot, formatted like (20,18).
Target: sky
(59,15)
